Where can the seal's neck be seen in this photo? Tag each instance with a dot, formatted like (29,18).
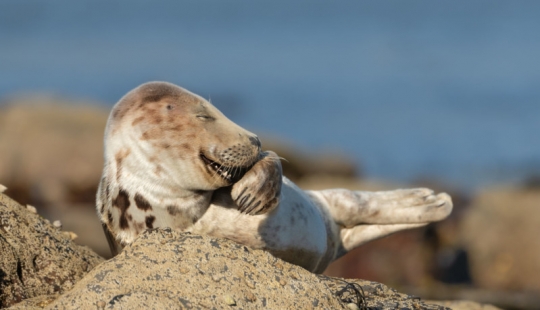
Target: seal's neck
(158,183)
(152,198)
(135,166)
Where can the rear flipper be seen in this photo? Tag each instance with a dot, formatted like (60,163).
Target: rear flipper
(402,206)
(365,216)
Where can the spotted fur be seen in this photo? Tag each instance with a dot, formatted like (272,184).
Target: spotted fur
(173,160)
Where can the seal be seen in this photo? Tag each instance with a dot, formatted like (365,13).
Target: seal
(173,160)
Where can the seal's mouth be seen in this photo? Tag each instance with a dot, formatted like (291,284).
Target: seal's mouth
(229,174)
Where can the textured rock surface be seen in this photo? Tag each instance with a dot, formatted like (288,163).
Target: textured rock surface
(36,257)
(501,232)
(466,305)
(171,270)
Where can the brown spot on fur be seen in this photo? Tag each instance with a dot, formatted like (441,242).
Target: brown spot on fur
(158,170)
(182,219)
(139,226)
(110,218)
(173,210)
(150,221)
(175,127)
(152,114)
(137,120)
(156,91)
(165,145)
(120,111)
(185,146)
(156,119)
(157,95)
(122,202)
(142,203)
(152,134)
(120,156)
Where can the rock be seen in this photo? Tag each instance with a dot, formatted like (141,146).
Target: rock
(465,305)
(167,269)
(36,257)
(84,223)
(501,233)
(60,158)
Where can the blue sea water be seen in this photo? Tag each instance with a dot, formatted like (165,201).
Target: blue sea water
(435,89)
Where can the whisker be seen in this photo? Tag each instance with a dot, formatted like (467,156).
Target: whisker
(214,177)
(235,172)
(229,173)
(276,157)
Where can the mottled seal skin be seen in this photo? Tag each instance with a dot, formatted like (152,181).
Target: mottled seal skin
(173,160)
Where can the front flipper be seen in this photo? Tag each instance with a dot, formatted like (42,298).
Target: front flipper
(258,191)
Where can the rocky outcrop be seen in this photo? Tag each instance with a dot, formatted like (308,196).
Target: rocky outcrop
(466,305)
(37,258)
(171,270)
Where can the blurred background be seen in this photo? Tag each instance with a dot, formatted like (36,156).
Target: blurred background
(364,95)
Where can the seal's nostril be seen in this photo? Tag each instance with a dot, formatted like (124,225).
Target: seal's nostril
(255,141)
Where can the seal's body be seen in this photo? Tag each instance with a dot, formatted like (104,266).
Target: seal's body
(174,160)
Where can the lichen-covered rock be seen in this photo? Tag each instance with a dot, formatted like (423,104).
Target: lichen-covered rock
(172,270)
(36,257)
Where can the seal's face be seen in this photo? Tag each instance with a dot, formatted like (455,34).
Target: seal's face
(182,137)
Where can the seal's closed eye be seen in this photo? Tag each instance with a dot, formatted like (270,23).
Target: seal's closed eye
(205,117)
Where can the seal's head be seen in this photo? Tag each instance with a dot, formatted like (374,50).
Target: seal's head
(177,137)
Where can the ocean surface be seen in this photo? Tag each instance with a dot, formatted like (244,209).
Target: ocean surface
(446,90)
